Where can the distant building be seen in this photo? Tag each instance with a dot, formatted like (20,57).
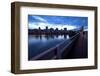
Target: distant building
(51,30)
(56,29)
(39,30)
(82,29)
(46,27)
(65,30)
(47,31)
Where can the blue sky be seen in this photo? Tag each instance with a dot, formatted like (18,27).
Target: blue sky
(60,22)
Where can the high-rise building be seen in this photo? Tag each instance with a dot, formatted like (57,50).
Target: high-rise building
(39,28)
(65,29)
(46,27)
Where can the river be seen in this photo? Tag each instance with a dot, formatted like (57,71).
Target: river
(39,43)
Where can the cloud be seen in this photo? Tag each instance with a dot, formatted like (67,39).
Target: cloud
(43,25)
(39,18)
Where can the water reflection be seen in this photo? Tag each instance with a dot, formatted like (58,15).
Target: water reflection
(50,36)
(40,43)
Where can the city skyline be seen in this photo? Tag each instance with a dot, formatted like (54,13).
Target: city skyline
(48,31)
(60,22)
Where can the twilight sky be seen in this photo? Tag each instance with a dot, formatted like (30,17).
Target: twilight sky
(60,22)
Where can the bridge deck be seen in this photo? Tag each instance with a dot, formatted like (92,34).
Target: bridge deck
(79,49)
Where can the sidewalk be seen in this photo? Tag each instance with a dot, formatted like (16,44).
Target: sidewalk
(80,49)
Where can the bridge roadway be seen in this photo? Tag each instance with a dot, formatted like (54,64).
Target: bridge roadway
(79,49)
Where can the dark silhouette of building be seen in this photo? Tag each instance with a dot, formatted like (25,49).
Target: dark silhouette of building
(48,31)
(65,30)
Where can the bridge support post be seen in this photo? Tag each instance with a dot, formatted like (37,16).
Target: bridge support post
(58,53)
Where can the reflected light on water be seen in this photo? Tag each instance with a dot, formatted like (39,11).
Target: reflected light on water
(40,43)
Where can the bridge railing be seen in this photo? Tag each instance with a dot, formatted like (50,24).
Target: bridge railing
(57,51)
(65,46)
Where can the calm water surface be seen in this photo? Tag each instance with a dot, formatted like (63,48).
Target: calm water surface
(39,43)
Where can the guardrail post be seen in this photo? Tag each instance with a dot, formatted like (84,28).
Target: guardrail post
(58,53)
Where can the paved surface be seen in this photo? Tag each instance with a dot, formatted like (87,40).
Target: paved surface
(79,49)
